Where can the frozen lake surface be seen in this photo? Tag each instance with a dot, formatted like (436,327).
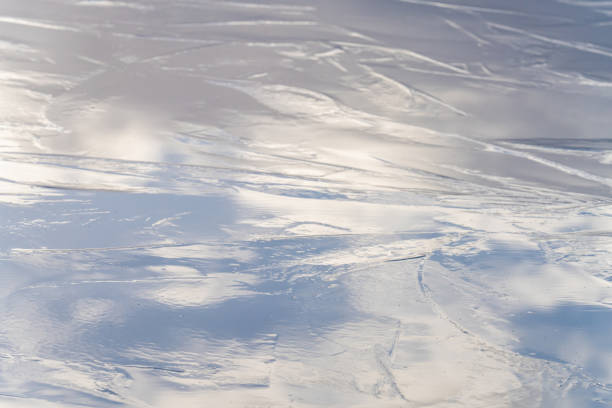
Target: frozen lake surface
(366,203)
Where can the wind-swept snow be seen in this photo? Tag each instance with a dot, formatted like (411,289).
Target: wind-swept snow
(314,204)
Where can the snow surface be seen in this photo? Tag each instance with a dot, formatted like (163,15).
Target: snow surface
(365,203)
